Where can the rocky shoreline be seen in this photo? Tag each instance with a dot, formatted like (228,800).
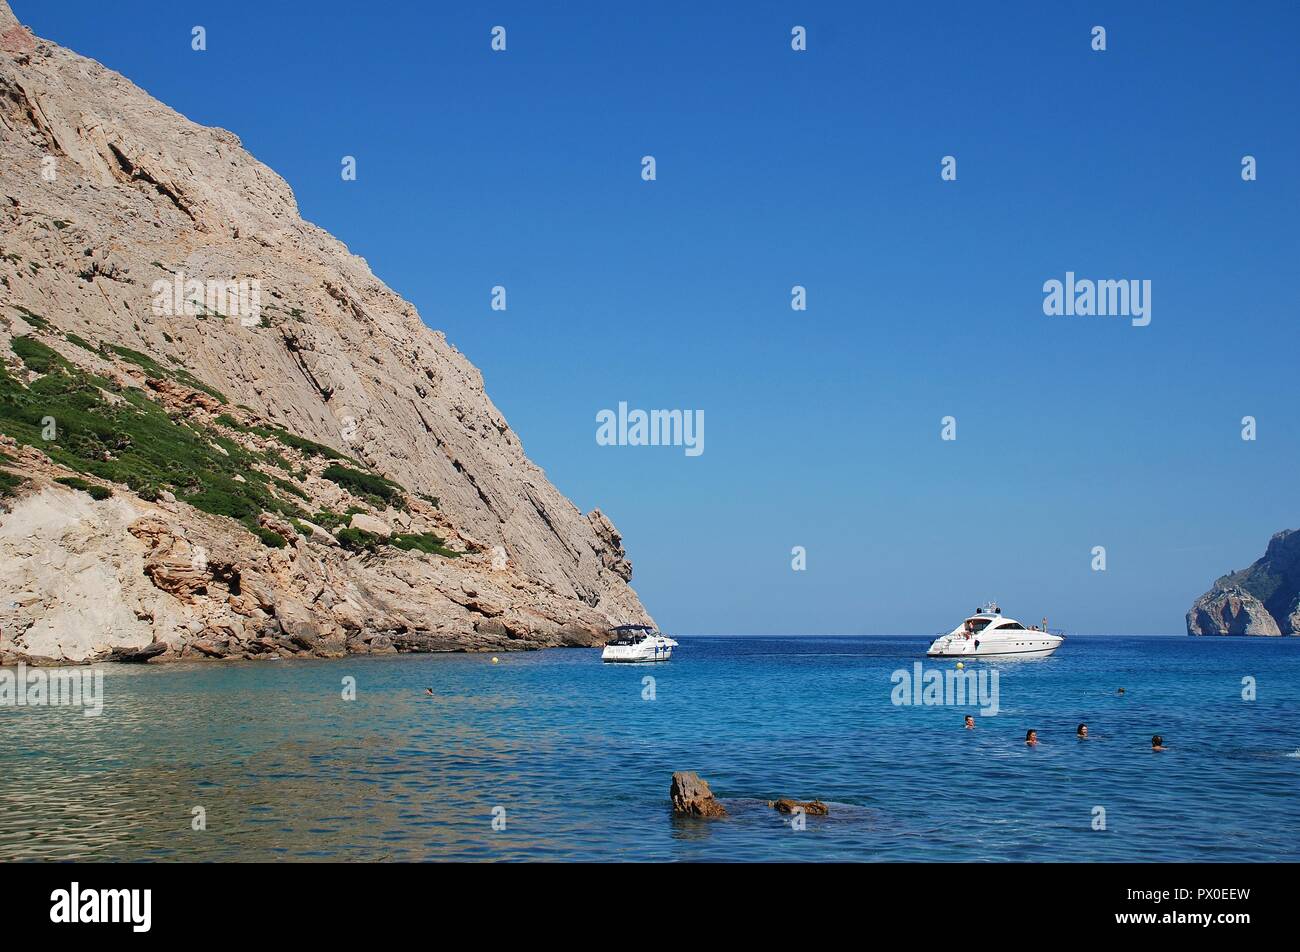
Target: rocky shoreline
(127,580)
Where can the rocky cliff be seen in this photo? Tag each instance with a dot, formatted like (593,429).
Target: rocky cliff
(223,436)
(1263,599)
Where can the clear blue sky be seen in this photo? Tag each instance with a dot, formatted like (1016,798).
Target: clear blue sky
(820,168)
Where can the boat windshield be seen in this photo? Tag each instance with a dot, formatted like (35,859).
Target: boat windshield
(977,624)
(629,634)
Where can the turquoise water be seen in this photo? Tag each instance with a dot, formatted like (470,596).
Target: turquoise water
(580,763)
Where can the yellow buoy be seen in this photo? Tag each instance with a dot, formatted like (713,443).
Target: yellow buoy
(496,660)
(961,665)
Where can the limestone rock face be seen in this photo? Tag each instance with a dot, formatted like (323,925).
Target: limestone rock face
(1232,611)
(611,551)
(371,524)
(110,203)
(1263,599)
(86,580)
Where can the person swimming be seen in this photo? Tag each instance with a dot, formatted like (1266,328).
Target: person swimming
(1120,691)
(1157,743)
(1031,738)
(970,722)
(1082,732)
(428,692)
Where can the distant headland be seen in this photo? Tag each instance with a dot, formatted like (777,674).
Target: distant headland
(1263,599)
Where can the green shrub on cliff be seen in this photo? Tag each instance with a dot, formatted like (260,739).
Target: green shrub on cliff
(293,488)
(293,440)
(423,542)
(155,369)
(134,442)
(94,426)
(95,490)
(32,318)
(366,485)
(36,356)
(358,540)
(9,483)
(270,538)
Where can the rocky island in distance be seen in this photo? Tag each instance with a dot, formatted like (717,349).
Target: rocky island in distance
(1262,599)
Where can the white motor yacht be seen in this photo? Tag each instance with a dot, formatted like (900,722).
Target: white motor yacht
(634,643)
(989,633)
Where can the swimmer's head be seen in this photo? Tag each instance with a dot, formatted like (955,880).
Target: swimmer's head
(1031,737)
(1083,730)
(1157,741)
(970,720)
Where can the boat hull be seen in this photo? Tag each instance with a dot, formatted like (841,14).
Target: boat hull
(662,657)
(948,647)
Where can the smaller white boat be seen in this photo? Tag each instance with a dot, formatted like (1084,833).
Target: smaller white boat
(637,643)
(989,633)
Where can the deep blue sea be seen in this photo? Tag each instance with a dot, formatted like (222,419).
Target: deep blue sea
(574,761)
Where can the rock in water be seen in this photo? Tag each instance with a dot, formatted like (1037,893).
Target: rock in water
(352,489)
(691,796)
(809,807)
(137,655)
(1263,599)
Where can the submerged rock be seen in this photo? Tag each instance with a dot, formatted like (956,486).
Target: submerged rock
(691,796)
(809,807)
